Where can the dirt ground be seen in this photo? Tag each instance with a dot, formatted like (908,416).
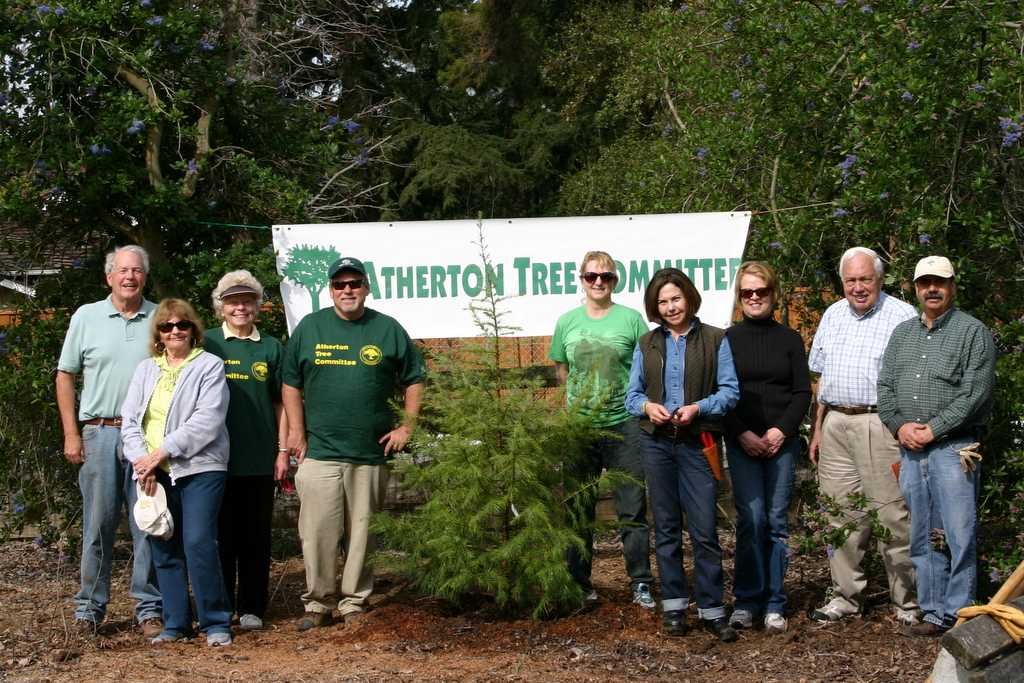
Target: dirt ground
(408,637)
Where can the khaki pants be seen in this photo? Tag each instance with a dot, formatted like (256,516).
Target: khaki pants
(336,501)
(856,456)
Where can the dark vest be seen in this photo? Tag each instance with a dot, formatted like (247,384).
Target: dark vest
(700,378)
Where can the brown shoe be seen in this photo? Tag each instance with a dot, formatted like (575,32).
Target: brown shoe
(85,627)
(314,620)
(352,617)
(925,629)
(151,627)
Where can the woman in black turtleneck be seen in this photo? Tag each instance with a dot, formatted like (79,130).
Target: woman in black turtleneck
(762,445)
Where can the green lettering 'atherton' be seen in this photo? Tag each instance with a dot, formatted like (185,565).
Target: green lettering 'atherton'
(431,282)
(534,278)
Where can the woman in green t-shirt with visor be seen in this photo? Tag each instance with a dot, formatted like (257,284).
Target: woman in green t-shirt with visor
(593,351)
(256,425)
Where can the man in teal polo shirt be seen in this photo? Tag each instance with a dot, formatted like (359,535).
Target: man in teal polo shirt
(342,366)
(105,342)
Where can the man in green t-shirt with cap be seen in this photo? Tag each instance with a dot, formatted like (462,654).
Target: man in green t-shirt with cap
(342,366)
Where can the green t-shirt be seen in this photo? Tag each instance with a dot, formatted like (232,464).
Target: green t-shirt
(348,371)
(599,352)
(253,369)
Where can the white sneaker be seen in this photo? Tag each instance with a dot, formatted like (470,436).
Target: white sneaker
(741,618)
(773,621)
(642,597)
(906,618)
(218,639)
(590,596)
(829,613)
(250,622)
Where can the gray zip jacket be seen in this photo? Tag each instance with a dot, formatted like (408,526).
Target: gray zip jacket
(195,436)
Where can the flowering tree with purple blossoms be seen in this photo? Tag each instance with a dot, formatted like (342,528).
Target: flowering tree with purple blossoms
(145,119)
(851,127)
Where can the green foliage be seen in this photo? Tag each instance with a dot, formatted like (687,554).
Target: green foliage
(490,454)
(893,125)
(478,127)
(827,522)
(38,486)
(138,119)
(206,269)
(1002,467)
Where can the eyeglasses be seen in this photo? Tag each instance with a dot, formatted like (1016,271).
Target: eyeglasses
(183,325)
(340,285)
(605,277)
(762,293)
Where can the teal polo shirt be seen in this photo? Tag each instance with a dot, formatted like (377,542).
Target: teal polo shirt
(105,347)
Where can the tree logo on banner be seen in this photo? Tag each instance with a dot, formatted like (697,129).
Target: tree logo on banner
(307,267)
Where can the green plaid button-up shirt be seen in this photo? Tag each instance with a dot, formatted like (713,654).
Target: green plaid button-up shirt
(942,376)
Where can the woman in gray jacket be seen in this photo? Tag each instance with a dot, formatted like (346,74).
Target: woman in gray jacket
(175,436)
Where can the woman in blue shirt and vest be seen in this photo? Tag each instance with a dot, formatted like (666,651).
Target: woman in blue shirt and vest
(682,383)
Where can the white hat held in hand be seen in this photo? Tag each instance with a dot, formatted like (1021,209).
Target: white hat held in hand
(151,513)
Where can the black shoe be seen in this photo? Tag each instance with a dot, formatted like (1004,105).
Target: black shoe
(675,622)
(720,627)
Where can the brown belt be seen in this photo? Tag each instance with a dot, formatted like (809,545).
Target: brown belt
(858,410)
(105,421)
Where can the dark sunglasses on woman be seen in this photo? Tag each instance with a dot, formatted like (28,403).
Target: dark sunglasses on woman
(183,325)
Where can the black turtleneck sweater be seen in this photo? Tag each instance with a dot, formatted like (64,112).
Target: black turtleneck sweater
(775,385)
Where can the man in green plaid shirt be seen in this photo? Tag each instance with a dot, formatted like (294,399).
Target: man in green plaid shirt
(934,395)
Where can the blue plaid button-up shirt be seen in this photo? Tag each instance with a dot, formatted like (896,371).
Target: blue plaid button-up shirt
(848,350)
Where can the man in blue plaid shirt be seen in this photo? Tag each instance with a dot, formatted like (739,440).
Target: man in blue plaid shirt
(857,452)
(935,395)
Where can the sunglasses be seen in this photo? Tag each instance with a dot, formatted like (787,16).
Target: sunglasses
(183,325)
(605,277)
(340,285)
(762,293)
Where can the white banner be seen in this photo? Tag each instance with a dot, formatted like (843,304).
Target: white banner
(424,273)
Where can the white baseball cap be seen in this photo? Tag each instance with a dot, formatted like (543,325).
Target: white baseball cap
(151,513)
(939,266)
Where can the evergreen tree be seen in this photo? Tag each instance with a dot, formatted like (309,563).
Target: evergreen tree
(491,453)
(477,127)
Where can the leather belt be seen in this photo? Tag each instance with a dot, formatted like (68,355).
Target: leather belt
(856,410)
(671,431)
(105,421)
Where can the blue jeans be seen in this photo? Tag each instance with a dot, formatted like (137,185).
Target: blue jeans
(191,553)
(941,495)
(679,479)
(630,506)
(762,491)
(106,483)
